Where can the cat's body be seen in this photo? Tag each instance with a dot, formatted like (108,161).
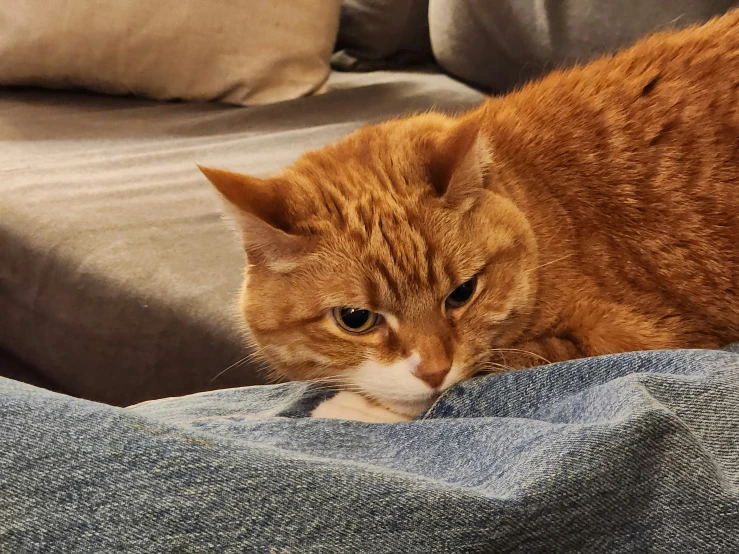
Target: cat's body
(630,167)
(593,212)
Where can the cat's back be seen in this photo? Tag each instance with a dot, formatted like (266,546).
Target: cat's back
(634,102)
(653,128)
(638,154)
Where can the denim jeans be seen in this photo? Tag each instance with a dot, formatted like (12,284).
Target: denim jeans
(629,453)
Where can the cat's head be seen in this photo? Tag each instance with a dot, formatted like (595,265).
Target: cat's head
(384,263)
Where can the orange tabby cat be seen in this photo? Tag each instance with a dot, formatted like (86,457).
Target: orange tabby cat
(593,212)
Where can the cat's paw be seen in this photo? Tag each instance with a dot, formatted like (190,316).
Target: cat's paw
(350,405)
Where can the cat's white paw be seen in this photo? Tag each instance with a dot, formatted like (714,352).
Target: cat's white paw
(350,405)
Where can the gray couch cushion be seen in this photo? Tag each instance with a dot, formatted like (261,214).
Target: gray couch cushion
(499,44)
(12,368)
(117,273)
(382,33)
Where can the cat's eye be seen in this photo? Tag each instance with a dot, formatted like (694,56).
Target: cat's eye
(462,294)
(355,321)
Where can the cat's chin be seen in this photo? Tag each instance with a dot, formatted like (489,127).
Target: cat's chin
(410,408)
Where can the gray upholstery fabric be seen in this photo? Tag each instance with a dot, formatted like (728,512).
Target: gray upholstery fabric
(117,273)
(499,44)
(381,33)
(12,368)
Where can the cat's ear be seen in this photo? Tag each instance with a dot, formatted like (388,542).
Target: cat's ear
(459,162)
(261,211)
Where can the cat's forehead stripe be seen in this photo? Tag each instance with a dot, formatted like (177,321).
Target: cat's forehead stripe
(387,279)
(333,205)
(401,271)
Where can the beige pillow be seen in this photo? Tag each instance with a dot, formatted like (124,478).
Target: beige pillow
(235,51)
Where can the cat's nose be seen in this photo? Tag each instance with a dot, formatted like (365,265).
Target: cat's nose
(434,366)
(433,372)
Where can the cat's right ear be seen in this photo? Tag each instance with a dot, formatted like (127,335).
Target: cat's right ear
(261,212)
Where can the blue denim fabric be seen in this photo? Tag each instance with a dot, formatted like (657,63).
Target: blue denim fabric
(629,453)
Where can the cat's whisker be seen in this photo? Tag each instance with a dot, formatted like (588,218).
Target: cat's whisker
(519,351)
(241,362)
(271,375)
(337,382)
(327,379)
(552,237)
(488,367)
(550,262)
(358,390)
(252,357)
(343,386)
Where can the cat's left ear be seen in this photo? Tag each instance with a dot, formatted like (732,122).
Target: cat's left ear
(459,163)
